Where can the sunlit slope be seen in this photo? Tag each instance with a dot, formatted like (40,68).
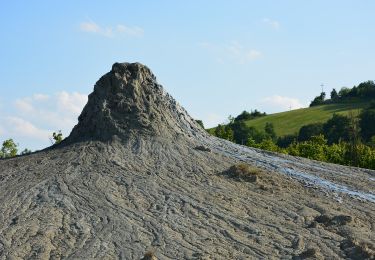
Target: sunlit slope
(291,121)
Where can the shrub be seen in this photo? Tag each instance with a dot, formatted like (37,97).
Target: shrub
(243,172)
(149,256)
(269,145)
(9,149)
(285,141)
(307,131)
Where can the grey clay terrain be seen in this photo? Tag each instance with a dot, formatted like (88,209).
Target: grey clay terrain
(138,174)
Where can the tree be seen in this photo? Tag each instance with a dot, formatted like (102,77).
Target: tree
(318,100)
(270,131)
(337,128)
(200,122)
(286,140)
(243,116)
(9,149)
(344,92)
(307,131)
(334,95)
(248,116)
(366,89)
(224,132)
(242,133)
(57,137)
(355,140)
(367,124)
(25,151)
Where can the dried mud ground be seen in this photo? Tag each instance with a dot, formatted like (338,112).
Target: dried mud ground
(115,201)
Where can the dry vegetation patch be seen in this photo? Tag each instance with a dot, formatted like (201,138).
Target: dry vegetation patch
(243,172)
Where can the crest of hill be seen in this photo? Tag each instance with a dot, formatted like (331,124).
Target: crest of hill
(128,102)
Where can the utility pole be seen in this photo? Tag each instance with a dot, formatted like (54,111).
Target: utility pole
(322,85)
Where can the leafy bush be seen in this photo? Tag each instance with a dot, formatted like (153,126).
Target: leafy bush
(57,137)
(307,131)
(9,149)
(337,128)
(286,140)
(367,124)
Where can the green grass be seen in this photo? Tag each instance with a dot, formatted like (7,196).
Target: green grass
(291,121)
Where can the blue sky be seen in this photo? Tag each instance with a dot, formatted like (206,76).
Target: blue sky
(215,57)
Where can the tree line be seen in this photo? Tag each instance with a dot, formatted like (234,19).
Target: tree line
(343,139)
(364,91)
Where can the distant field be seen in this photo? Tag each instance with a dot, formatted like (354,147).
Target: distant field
(291,121)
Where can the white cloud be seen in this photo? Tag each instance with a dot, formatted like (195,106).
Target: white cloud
(252,55)
(212,120)
(281,103)
(24,105)
(71,102)
(21,128)
(120,29)
(90,27)
(241,54)
(55,112)
(232,52)
(132,31)
(40,97)
(272,23)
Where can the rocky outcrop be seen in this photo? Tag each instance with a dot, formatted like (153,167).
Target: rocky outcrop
(127,102)
(138,178)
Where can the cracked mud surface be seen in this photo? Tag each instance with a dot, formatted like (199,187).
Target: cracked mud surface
(117,188)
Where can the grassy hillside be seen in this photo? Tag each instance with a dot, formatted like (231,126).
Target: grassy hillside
(291,121)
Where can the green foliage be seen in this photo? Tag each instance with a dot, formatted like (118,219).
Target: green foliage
(334,95)
(269,145)
(224,132)
(25,151)
(290,122)
(372,141)
(241,132)
(364,91)
(344,92)
(336,153)
(270,131)
(248,116)
(319,100)
(337,128)
(57,137)
(286,140)
(9,149)
(200,122)
(313,149)
(307,131)
(367,124)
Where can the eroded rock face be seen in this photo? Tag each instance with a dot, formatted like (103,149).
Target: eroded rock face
(138,178)
(128,101)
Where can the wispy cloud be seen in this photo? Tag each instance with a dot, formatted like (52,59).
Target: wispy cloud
(272,23)
(241,54)
(20,127)
(233,52)
(277,103)
(111,31)
(39,114)
(212,120)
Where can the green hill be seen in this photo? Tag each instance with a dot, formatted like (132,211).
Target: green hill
(291,121)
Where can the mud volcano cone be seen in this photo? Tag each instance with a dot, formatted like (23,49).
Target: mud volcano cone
(138,178)
(128,103)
